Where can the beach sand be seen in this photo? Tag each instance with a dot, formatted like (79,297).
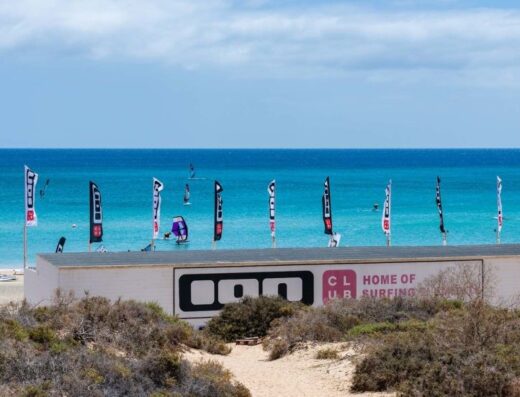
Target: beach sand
(296,375)
(11,291)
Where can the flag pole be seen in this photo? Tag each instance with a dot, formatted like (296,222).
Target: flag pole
(25,245)
(152,245)
(388,242)
(499,209)
(444,239)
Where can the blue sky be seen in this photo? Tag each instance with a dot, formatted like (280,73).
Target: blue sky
(259,73)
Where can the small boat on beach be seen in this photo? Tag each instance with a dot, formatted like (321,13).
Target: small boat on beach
(6,277)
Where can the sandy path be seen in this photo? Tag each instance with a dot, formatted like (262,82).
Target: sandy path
(11,290)
(296,375)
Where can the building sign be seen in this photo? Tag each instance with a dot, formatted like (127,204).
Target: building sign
(202,292)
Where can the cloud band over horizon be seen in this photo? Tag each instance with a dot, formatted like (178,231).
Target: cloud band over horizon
(469,45)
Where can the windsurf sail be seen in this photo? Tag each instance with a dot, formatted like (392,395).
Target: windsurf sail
(101,249)
(61,245)
(44,189)
(158,186)
(271,189)
(186,198)
(218,215)
(31,179)
(180,229)
(334,240)
(327,208)
(192,171)
(148,248)
(499,208)
(96,214)
(387,208)
(438,201)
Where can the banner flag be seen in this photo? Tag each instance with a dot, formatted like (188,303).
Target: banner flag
(31,179)
(158,186)
(387,208)
(438,200)
(96,214)
(327,208)
(218,214)
(271,189)
(61,245)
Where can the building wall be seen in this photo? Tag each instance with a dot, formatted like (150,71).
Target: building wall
(146,284)
(200,293)
(197,293)
(504,277)
(41,283)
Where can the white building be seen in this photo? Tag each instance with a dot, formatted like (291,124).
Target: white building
(196,284)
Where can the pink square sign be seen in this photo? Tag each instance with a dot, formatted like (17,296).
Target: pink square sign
(339,284)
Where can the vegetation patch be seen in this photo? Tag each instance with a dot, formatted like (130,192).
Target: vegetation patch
(250,317)
(92,347)
(327,353)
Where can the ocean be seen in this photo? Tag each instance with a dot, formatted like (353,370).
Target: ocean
(358,180)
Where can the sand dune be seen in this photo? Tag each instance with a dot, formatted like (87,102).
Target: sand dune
(11,290)
(296,375)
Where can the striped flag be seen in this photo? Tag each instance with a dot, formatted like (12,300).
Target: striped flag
(271,189)
(158,186)
(387,208)
(31,179)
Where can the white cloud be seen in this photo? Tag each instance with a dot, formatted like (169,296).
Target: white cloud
(268,40)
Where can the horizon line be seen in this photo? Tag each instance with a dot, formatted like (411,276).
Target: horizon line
(263,148)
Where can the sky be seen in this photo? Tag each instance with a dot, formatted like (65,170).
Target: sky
(259,73)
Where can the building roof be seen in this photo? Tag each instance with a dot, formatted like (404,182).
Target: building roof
(194,258)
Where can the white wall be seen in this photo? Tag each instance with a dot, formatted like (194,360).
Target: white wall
(146,284)
(41,283)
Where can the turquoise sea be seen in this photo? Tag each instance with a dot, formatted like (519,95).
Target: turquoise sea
(358,180)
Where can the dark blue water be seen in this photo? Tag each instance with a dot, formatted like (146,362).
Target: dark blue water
(358,179)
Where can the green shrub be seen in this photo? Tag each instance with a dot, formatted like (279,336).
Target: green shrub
(164,368)
(249,317)
(42,334)
(10,328)
(34,391)
(369,329)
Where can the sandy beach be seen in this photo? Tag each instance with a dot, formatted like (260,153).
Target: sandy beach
(296,375)
(11,290)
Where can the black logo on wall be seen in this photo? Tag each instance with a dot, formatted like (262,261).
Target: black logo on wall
(212,283)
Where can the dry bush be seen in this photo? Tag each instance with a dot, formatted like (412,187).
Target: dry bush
(467,349)
(327,353)
(471,352)
(462,282)
(336,320)
(92,347)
